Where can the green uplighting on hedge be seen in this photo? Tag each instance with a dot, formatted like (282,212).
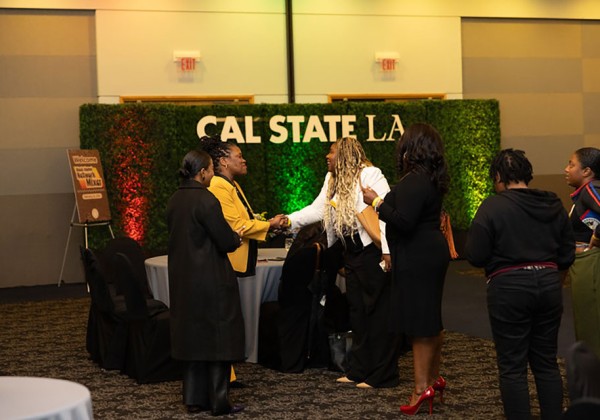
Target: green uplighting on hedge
(282,177)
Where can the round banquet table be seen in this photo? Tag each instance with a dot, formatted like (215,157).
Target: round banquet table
(254,290)
(24,397)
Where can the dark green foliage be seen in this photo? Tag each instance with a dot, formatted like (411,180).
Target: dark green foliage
(141,147)
(471,133)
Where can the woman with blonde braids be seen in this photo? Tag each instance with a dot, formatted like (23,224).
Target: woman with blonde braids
(372,360)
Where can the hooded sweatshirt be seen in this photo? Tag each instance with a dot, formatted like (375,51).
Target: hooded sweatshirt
(520,226)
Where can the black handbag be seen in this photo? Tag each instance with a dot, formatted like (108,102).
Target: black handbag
(339,347)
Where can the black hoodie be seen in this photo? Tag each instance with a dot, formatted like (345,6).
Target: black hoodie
(520,226)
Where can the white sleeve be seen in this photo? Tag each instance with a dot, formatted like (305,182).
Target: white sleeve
(312,213)
(372,177)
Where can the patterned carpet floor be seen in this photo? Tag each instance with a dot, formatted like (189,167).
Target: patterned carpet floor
(47,339)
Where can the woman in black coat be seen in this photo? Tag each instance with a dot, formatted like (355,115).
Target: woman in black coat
(207,328)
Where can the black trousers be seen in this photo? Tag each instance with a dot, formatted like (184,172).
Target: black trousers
(525,308)
(206,384)
(373,357)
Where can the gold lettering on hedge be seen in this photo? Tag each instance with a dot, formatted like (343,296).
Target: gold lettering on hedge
(295,120)
(323,128)
(314,129)
(396,126)
(372,137)
(204,121)
(250,137)
(347,126)
(231,130)
(331,120)
(274,125)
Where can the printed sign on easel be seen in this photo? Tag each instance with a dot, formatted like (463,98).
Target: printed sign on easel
(89,186)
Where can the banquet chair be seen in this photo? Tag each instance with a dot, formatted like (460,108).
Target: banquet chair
(134,252)
(106,335)
(148,356)
(302,342)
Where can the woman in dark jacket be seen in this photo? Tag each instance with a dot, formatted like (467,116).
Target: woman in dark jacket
(583,174)
(207,328)
(522,237)
(420,254)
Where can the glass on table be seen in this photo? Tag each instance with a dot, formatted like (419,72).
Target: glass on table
(288,243)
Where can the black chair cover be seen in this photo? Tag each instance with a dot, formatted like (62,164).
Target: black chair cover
(134,252)
(303,338)
(148,357)
(106,336)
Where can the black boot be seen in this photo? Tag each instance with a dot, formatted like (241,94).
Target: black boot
(195,387)
(218,388)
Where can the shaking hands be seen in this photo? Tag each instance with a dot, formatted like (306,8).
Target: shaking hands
(278,223)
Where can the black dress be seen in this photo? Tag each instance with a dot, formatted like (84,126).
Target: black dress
(420,255)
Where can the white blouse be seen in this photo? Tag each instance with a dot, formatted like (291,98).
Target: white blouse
(370,176)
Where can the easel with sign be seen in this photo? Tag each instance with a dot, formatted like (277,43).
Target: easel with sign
(85,230)
(91,201)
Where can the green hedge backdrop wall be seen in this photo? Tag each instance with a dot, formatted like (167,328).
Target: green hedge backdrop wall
(141,147)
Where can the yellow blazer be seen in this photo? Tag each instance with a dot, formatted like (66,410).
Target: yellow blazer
(236,215)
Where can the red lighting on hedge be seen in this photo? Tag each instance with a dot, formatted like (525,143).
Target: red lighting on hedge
(131,173)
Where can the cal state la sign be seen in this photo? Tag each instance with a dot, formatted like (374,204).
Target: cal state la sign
(304,129)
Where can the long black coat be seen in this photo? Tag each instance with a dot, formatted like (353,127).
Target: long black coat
(206,316)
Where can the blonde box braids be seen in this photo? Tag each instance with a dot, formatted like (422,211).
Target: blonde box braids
(350,160)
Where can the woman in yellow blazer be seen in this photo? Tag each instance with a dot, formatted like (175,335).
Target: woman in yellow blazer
(229,163)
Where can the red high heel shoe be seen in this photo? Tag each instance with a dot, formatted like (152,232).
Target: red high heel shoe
(426,395)
(440,385)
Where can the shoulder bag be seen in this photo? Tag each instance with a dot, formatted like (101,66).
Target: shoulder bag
(369,219)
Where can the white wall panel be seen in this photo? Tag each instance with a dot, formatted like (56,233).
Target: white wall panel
(545,9)
(567,9)
(336,54)
(242,53)
(263,6)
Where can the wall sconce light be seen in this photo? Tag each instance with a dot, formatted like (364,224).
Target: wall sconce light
(387,59)
(187,59)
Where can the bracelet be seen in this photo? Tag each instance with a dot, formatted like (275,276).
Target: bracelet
(376,202)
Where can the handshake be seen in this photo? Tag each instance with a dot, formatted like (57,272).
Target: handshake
(279,223)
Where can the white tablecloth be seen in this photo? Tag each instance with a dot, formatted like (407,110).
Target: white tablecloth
(43,398)
(254,290)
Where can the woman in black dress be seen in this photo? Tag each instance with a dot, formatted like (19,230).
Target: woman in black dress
(207,328)
(420,255)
